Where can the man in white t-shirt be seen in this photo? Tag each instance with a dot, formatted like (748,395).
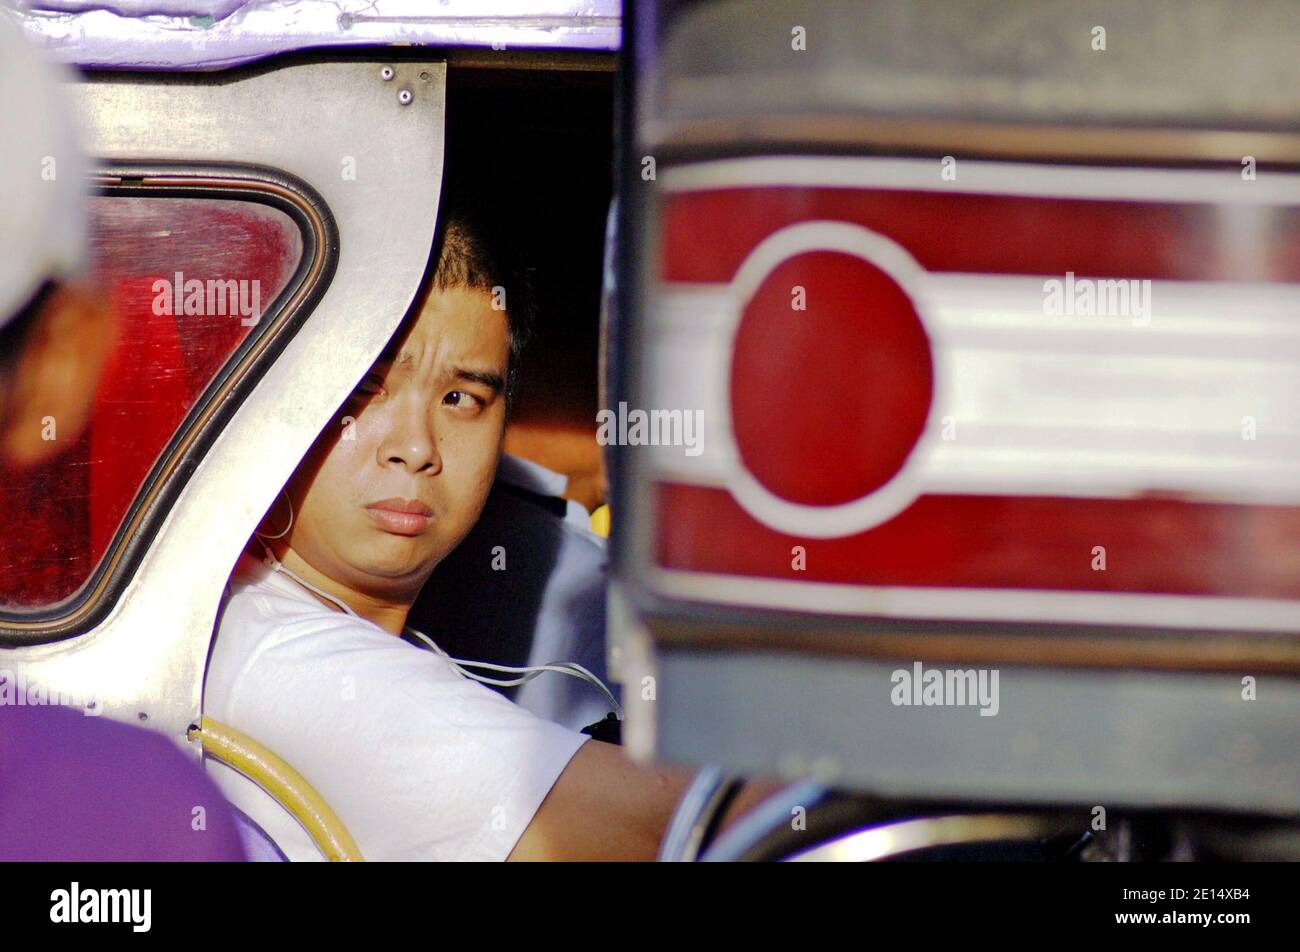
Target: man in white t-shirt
(417,761)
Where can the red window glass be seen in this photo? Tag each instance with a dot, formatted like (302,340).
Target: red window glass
(187,279)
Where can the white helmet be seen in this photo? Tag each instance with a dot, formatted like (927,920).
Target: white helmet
(42,174)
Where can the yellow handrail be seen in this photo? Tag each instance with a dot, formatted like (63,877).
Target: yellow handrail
(289,788)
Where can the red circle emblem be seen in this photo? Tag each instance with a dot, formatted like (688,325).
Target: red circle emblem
(828,402)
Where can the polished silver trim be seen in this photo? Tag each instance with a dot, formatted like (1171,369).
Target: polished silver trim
(727,74)
(976,176)
(1060,736)
(99,35)
(1195,612)
(891,840)
(709,793)
(144,663)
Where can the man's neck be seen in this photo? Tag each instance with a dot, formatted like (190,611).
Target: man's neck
(388,613)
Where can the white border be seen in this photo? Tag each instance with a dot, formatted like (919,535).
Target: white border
(994,178)
(990,605)
(882,504)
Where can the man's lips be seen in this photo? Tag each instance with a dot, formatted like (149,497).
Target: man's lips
(401,516)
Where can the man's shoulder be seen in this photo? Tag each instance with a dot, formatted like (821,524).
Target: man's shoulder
(269,604)
(262,619)
(255,612)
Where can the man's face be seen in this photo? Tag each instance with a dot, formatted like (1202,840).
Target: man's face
(378,502)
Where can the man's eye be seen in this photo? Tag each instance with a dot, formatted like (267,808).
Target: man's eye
(462,399)
(370,385)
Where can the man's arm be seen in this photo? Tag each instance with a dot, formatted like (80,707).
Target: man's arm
(605,807)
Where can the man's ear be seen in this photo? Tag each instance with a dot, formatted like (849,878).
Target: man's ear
(52,387)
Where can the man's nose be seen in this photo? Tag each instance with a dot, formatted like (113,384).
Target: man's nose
(409,439)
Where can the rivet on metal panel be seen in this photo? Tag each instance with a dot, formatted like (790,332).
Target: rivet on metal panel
(405,97)
(387,73)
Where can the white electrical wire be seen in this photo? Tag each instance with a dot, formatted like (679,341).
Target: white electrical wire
(571,668)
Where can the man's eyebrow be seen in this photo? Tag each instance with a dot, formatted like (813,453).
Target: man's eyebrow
(489,379)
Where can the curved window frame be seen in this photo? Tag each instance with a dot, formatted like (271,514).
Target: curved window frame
(221,397)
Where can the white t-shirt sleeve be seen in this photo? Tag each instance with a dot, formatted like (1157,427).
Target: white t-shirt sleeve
(418,761)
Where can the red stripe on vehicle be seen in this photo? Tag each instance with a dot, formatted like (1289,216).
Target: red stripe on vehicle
(708,233)
(1154,546)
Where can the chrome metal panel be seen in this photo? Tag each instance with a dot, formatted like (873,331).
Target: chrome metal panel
(1090,738)
(892,840)
(378,166)
(176,34)
(1212,63)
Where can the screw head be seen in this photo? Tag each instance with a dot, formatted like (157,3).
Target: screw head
(405,97)
(387,73)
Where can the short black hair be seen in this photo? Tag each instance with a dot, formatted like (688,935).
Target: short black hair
(469,259)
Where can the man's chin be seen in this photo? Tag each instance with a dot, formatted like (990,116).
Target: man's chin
(399,561)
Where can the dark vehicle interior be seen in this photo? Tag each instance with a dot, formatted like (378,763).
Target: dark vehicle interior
(536,159)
